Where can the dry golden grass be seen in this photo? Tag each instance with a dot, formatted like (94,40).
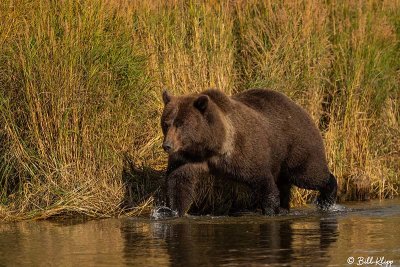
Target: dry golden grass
(80,85)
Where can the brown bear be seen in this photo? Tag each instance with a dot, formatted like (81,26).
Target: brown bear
(258,137)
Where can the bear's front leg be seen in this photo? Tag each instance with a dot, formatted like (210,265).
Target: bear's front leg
(181,184)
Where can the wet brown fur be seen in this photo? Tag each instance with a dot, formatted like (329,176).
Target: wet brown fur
(258,137)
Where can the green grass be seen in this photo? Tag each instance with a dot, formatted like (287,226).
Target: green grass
(80,85)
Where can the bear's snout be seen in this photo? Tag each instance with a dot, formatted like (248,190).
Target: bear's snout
(172,141)
(167,146)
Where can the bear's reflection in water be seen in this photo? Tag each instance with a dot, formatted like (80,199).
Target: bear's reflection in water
(238,241)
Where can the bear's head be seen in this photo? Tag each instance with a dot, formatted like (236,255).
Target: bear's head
(194,127)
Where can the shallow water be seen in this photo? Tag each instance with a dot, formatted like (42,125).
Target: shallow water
(305,237)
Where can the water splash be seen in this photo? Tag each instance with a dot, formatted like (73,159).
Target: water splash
(334,208)
(338,208)
(163,212)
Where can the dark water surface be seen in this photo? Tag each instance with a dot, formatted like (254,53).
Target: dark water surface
(303,238)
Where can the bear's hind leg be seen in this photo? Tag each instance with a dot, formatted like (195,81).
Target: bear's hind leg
(268,195)
(284,186)
(314,175)
(284,197)
(327,195)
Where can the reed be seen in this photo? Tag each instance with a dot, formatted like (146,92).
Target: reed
(80,85)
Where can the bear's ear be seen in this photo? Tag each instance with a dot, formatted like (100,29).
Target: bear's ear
(201,103)
(166,96)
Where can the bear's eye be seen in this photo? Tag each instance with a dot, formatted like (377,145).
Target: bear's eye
(178,123)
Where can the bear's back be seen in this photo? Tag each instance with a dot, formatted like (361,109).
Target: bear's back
(279,109)
(288,118)
(267,101)
(261,100)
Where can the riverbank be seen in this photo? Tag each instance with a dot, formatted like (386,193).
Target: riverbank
(80,85)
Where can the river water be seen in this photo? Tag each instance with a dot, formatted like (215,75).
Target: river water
(359,233)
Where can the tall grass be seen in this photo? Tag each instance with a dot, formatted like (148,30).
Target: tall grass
(80,86)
